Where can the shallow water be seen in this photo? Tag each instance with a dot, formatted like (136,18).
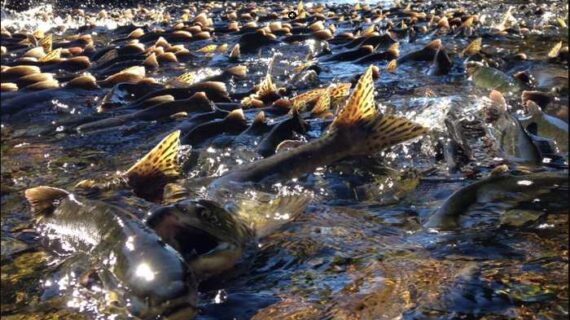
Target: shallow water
(358,252)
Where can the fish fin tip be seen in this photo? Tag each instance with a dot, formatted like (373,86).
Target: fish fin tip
(162,160)
(389,130)
(260,118)
(498,100)
(236,115)
(360,106)
(42,199)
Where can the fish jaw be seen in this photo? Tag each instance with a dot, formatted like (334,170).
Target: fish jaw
(210,239)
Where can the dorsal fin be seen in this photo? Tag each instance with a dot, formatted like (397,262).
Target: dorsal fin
(532,108)
(340,90)
(43,85)
(235,53)
(8,87)
(238,71)
(43,199)
(85,81)
(52,55)
(394,49)
(38,34)
(392,65)
(357,6)
(182,81)
(259,118)
(46,43)
(555,51)
(151,61)
(443,23)
(472,48)
(156,100)
(162,160)
(299,101)
(498,100)
(138,70)
(167,57)
(276,211)
(323,104)
(36,52)
(161,42)
(468,22)
(266,87)
(360,106)
(208,49)
(371,29)
(236,115)
(222,48)
(435,44)
(135,34)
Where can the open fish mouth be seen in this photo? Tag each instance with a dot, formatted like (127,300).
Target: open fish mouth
(194,242)
(183,231)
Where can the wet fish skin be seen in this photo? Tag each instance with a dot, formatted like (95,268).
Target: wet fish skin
(427,53)
(125,90)
(491,78)
(210,239)
(357,121)
(498,188)
(214,90)
(250,42)
(195,104)
(157,278)
(510,134)
(441,64)
(378,42)
(28,101)
(546,125)
(350,55)
(280,132)
(233,124)
(377,56)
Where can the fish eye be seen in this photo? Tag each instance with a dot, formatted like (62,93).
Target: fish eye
(202,211)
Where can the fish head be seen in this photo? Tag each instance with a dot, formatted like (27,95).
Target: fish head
(473,66)
(156,279)
(210,238)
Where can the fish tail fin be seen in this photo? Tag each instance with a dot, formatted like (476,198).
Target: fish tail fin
(323,104)
(183,80)
(46,43)
(268,215)
(266,87)
(51,56)
(43,199)
(360,121)
(158,166)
